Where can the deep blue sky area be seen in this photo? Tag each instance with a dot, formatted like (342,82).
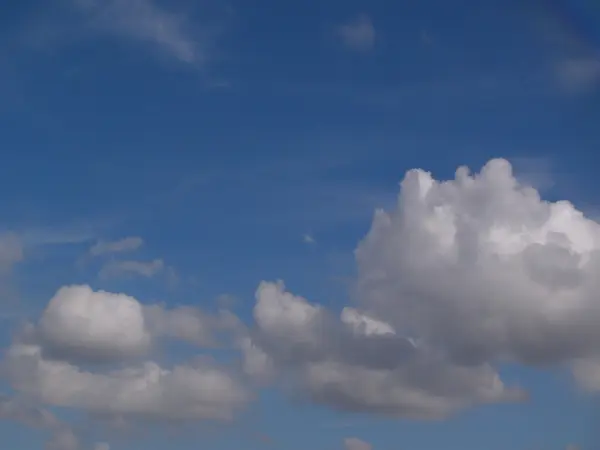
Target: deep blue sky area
(249,141)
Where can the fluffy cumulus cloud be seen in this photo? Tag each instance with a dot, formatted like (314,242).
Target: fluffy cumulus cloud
(83,325)
(147,391)
(483,269)
(462,276)
(359,363)
(89,351)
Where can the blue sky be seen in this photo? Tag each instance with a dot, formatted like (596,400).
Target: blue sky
(253,141)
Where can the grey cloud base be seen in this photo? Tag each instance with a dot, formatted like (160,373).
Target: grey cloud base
(360,364)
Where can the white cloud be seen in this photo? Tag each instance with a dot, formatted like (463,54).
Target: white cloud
(462,276)
(358,363)
(126,244)
(126,268)
(356,444)
(147,269)
(148,391)
(482,268)
(80,324)
(94,325)
(358,34)
(145,22)
(83,326)
(191,325)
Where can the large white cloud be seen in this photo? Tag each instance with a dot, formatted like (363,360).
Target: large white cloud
(482,268)
(468,274)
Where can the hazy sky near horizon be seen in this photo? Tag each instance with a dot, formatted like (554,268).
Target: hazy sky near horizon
(340,225)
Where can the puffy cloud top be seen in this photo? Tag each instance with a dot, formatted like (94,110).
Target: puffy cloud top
(94,325)
(483,268)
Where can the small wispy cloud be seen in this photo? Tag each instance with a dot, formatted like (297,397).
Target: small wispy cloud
(59,236)
(145,22)
(426,38)
(126,244)
(308,239)
(579,75)
(358,34)
(62,436)
(356,444)
(11,251)
(120,269)
(147,269)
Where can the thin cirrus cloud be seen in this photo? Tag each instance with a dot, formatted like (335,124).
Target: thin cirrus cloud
(115,268)
(129,268)
(358,34)
(123,245)
(145,22)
